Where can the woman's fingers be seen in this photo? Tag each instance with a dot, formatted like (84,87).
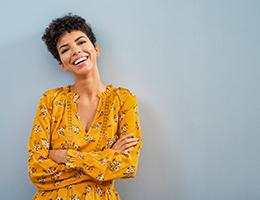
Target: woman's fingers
(130,143)
(123,139)
(127,139)
(129,146)
(125,143)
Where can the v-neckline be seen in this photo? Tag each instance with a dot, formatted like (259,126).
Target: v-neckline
(98,106)
(100,95)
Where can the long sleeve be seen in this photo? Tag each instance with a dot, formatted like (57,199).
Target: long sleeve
(109,164)
(44,173)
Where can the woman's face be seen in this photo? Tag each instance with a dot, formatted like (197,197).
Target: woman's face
(77,53)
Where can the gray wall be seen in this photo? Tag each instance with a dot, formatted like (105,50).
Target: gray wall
(194,66)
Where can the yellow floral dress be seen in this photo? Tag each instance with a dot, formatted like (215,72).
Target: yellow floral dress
(91,165)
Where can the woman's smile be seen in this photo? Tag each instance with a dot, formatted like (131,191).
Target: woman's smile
(80,61)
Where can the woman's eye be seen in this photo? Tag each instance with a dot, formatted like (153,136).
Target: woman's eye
(82,42)
(63,51)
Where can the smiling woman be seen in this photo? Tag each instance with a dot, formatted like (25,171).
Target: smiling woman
(84,135)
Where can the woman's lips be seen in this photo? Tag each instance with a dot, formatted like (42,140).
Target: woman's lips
(80,60)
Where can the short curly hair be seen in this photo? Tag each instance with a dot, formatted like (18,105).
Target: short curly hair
(60,25)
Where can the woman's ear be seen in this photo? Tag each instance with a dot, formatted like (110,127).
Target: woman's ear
(97,50)
(62,66)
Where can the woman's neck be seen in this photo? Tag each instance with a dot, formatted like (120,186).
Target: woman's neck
(88,87)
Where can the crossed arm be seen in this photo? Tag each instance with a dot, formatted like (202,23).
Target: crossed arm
(124,144)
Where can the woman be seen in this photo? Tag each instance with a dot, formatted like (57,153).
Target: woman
(84,135)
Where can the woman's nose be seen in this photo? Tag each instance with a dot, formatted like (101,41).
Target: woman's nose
(76,50)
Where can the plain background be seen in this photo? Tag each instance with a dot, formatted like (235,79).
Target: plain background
(194,67)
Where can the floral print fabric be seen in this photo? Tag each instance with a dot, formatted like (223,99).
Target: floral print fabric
(91,165)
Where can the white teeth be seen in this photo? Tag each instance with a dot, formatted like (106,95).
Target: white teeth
(79,60)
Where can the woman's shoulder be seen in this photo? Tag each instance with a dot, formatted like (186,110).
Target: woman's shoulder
(124,92)
(52,93)
(126,96)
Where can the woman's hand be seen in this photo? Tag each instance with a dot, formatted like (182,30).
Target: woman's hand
(125,143)
(58,155)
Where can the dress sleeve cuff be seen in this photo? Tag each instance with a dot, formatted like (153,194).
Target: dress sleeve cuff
(73,159)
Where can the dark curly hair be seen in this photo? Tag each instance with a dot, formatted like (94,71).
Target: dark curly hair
(60,25)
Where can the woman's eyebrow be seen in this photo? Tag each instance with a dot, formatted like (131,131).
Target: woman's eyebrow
(63,46)
(75,41)
(79,38)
